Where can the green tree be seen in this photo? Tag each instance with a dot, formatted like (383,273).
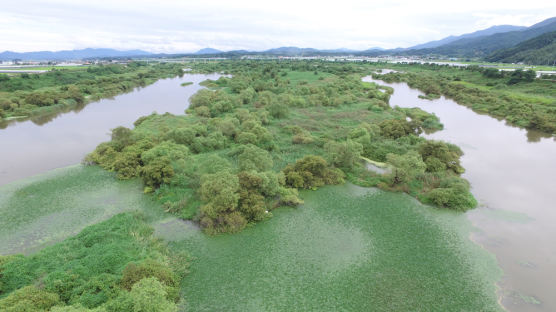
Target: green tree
(29,298)
(122,137)
(311,172)
(406,167)
(344,154)
(219,191)
(395,128)
(148,295)
(439,155)
(254,158)
(157,172)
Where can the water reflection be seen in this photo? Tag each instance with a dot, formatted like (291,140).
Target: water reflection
(63,138)
(512,173)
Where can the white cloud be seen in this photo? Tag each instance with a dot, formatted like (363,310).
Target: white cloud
(180,26)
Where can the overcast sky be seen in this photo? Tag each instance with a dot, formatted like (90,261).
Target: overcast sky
(185,26)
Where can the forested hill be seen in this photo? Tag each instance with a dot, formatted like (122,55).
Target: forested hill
(484,45)
(539,50)
(485,32)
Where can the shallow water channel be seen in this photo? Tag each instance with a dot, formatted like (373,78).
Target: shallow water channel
(35,146)
(513,176)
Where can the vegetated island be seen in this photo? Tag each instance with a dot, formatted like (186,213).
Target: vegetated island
(259,140)
(253,141)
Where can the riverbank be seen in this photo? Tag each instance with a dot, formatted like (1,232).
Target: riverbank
(27,96)
(63,139)
(521,101)
(511,172)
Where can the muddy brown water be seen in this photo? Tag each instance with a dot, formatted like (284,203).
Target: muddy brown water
(35,146)
(513,176)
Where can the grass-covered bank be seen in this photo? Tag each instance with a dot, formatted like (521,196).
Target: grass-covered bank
(346,249)
(26,95)
(516,97)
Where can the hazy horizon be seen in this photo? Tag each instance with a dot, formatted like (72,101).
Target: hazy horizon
(168,26)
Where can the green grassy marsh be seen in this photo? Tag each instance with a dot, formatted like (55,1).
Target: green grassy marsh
(41,210)
(347,248)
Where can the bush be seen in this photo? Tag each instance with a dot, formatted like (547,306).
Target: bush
(157,172)
(254,158)
(278,110)
(311,172)
(122,137)
(29,298)
(126,164)
(406,167)
(344,154)
(133,273)
(437,155)
(254,188)
(147,295)
(220,192)
(395,128)
(182,135)
(167,149)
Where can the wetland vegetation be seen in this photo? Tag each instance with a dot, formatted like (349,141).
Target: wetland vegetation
(252,141)
(275,153)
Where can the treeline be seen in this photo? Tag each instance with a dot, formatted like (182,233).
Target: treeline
(112,266)
(249,143)
(31,94)
(516,96)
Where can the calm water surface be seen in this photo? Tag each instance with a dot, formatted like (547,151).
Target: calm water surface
(28,148)
(513,176)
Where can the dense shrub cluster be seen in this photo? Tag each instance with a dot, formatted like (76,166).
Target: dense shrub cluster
(249,142)
(112,266)
(311,172)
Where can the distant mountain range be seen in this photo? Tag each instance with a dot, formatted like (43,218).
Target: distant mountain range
(504,43)
(485,32)
(484,45)
(479,44)
(70,54)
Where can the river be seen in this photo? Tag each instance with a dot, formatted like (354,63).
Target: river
(513,176)
(33,147)
(512,172)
